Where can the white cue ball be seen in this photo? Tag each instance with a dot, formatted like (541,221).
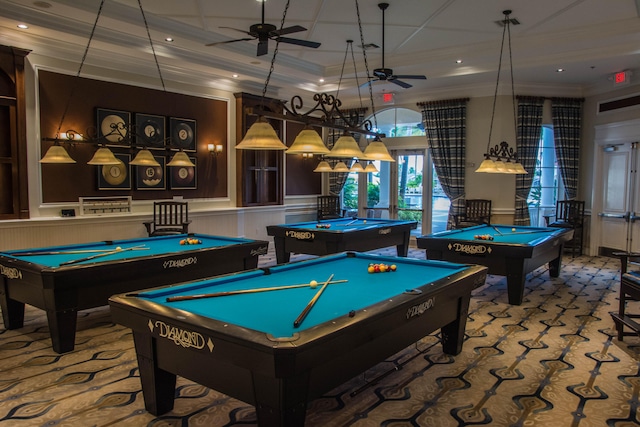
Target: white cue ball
(313,283)
(513,229)
(118,248)
(364,222)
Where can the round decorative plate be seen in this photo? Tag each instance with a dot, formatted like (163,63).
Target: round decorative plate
(113,128)
(182,135)
(114,174)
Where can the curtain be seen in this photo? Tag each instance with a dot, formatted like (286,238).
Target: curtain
(529,132)
(338,179)
(567,127)
(445,125)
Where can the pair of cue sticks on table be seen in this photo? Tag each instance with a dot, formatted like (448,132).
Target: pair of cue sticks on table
(100,255)
(516,232)
(298,320)
(70,252)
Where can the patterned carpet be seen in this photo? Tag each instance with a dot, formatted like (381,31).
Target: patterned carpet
(553,361)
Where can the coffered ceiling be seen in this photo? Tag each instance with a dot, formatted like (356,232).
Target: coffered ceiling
(589,39)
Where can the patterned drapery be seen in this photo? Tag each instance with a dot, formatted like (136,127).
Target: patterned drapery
(529,127)
(445,125)
(567,127)
(338,179)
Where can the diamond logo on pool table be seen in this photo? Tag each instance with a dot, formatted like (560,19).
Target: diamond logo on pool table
(150,325)
(210,344)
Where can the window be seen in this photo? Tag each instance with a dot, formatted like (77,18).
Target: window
(547,182)
(399,122)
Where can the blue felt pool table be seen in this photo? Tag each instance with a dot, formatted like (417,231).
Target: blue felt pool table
(508,250)
(339,235)
(65,279)
(226,334)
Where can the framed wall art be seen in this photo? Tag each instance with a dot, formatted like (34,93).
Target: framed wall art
(115,177)
(182,134)
(152,177)
(183,177)
(150,131)
(114,126)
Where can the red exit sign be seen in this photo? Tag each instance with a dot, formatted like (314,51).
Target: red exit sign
(621,78)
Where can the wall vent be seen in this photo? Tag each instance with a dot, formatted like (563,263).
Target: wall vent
(619,104)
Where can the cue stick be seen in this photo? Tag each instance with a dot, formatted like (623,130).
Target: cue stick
(498,231)
(351,222)
(75,261)
(70,252)
(526,232)
(309,306)
(242,291)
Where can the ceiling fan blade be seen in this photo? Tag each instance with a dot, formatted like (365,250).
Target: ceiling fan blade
(230,41)
(235,29)
(288,30)
(263,47)
(368,82)
(410,76)
(400,83)
(298,42)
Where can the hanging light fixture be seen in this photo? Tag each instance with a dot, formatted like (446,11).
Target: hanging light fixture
(144,158)
(502,158)
(371,168)
(376,150)
(180,159)
(323,166)
(346,147)
(56,154)
(340,167)
(102,157)
(356,167)
(308,141)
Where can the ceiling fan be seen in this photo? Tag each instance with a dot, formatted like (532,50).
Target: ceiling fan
(263,32)
(386,74)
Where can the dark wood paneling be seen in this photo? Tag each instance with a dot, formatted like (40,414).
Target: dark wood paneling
(301,179)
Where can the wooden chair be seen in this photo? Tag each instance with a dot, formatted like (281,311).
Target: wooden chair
(629,291)
(169,218)
(570,214)
(329,207)
(477,212)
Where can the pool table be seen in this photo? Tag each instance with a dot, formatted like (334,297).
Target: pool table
(512,251)
(56,279)
(339,235)
(226,334)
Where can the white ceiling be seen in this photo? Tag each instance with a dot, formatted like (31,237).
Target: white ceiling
(590,39)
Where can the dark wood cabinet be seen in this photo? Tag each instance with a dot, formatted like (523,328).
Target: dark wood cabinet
(14,202)
(259,173)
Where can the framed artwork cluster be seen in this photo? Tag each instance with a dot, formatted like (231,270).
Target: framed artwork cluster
(147,131)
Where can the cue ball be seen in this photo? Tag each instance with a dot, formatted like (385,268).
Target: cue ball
(513,229)
(364,222)
(313,283)
(118,248)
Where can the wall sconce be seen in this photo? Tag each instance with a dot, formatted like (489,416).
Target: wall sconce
(214,149)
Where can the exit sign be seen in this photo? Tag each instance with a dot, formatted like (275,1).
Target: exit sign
(387,98)
(621,78)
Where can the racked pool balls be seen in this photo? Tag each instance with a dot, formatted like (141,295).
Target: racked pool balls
(381,268)
(190,241)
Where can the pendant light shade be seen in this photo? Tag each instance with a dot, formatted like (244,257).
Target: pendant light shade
(371,168)
(347,147)
(180,159)
(323,166)
(144,158)
(376,150)
(308,141)
(356,167)
(57,154)
(261,136)
(103,156)
(340,167)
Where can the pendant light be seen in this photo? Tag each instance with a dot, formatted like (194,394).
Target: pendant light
(56,155)
(308,141)
(180,159)
(144,158)
(102,157)
(261,136)
(323,166)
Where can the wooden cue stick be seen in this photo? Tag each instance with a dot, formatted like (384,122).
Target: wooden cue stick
(242,291)
(309,306)
(526,232)
(351,222)
(70,252)
(75,261)
(498,231)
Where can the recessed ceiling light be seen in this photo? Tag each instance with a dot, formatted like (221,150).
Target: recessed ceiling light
(168,39)
(560,70)
(23,26)
(458,61)
(321,80)
(235,76)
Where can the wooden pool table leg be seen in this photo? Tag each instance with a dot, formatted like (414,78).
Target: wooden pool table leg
(158,385)
(555,265)
(281,255)
(453,333)
(12,310)
(62,328)
(516,277)
(281,402)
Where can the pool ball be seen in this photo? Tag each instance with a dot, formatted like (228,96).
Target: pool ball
(513,229)
(371,269)
(352,313)
(313,283)
(393,267)
(383,268)
(364,222)
(118,248)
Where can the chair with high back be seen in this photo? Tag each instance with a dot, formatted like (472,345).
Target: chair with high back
(629,292)
(329,207)
(476,212)
(570,214)
(169,218)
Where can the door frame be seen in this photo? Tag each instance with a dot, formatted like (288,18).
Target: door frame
(624,132)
